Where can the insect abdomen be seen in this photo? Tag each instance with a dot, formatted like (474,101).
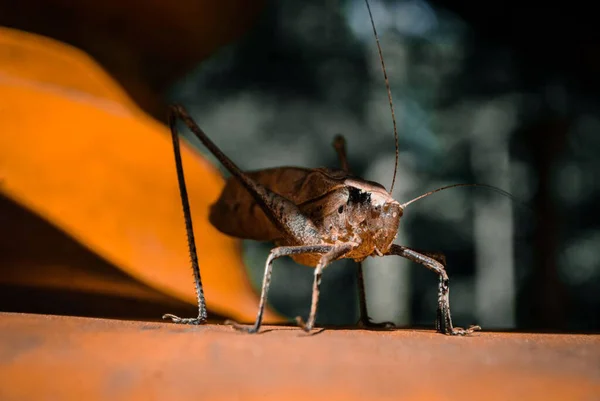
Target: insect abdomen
(236,212)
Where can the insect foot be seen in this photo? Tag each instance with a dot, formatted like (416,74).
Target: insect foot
(185,320)
(459,331)
(305,326)
(242,327)
(443,321)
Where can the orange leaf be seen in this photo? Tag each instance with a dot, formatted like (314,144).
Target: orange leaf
(78,152)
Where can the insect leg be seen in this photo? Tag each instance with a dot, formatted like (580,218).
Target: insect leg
(202,314)
(443,319)
(438,256)
(283,213)
(362,299)
(336,252)
(275,254)
(441,258)
(339,143)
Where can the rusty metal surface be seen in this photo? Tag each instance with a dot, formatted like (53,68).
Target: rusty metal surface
(66,358)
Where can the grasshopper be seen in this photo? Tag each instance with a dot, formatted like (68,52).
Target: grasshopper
(314,216)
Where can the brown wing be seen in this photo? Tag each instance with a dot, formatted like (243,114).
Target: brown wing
(236,213)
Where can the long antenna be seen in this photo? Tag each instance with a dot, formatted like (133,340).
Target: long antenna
(493,188)
(389,92)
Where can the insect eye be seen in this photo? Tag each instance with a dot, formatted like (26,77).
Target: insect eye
(341,209)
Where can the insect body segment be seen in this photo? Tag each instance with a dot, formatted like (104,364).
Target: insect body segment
(238,213)
(341,207)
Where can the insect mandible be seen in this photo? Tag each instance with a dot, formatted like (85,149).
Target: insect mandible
(314,216)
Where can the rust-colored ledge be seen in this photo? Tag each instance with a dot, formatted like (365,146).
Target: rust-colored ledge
(67,358)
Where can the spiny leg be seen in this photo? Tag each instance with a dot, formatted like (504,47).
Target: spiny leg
(202,314)
(282,212)
(441,258)
(275,254)
(336,252)
(443,318)
(437,256)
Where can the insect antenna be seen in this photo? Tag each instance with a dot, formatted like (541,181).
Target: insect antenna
(389,92)
(493,188)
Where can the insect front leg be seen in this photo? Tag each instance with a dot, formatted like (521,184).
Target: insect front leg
(275,254)
(438,256)
(443,318)
(441,258)
(365,320)
(336,252)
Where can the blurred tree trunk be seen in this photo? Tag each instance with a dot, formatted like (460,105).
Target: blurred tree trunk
(544,291)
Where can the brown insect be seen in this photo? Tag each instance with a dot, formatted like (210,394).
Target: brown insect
(315,216)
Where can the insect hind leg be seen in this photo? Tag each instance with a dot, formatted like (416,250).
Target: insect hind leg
(202,312)
(281,211)
(339,144)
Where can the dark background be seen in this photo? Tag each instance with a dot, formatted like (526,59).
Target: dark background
(498,92)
